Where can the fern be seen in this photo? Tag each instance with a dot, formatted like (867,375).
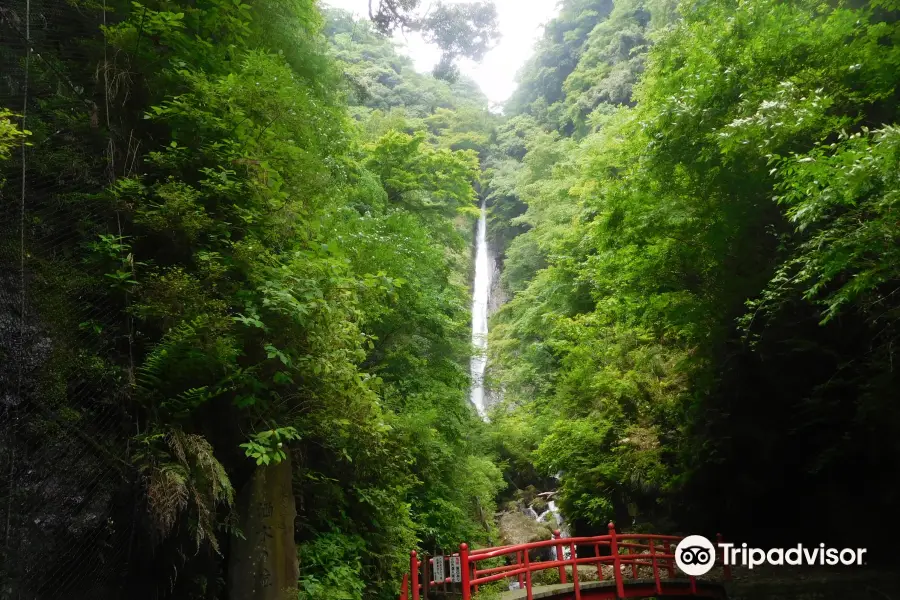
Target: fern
(188,400)
(150,375)
(182,474)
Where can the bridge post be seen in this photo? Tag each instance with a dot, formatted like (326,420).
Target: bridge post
(575,571)
(519,564)
(629,552)
(414,575)
(670,562)
(560,556)
(426,576)
(464,571)
(725,567)
(404,589)
(528,595)
(617,563)
(634,561)
(655,566)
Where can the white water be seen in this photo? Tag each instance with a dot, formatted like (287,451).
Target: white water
(553,511)
(480,294)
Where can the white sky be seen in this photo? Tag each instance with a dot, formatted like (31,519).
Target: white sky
(521,25)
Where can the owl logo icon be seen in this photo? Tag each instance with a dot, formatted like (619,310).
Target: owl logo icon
(695,555)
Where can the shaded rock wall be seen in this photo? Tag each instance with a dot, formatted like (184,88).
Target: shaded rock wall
(263,561)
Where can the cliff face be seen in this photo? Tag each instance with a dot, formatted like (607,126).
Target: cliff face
(63,531)
(498,295)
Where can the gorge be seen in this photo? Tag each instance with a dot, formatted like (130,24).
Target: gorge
(675,252)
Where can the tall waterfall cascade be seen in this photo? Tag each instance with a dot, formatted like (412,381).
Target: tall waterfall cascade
(480,296)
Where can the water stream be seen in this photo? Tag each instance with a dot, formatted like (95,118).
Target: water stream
(480,295)
(553,511)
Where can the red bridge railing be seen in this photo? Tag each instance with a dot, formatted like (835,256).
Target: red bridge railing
(622,550)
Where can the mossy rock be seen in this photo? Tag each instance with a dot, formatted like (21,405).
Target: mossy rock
(516,528)
(540,505)
(526,496)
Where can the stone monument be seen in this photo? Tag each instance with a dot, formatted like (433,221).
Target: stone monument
(263,565)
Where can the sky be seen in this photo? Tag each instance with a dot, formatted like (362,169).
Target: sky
(521,25)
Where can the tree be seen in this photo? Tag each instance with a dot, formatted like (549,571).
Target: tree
(706,283)
(459,30)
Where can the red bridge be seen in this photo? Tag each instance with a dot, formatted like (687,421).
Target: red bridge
(638,565)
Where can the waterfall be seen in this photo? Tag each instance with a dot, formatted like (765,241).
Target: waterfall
(480,295)
(553,511)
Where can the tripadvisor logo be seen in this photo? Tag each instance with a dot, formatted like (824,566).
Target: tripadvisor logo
(695,555)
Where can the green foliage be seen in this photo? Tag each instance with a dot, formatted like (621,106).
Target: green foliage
(706,271)
(545,577)
(379,79)
(422,179)
(490,591)
(10,134)
(408,224)
(276,279)
(331,568)
(695,211)
(556,56)
(842,197)
(267,447)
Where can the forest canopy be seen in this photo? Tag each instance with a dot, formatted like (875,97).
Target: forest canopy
(238,235)
(257,258)
(703,299)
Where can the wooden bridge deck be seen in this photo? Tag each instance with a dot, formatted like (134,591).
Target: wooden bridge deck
(635,588)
